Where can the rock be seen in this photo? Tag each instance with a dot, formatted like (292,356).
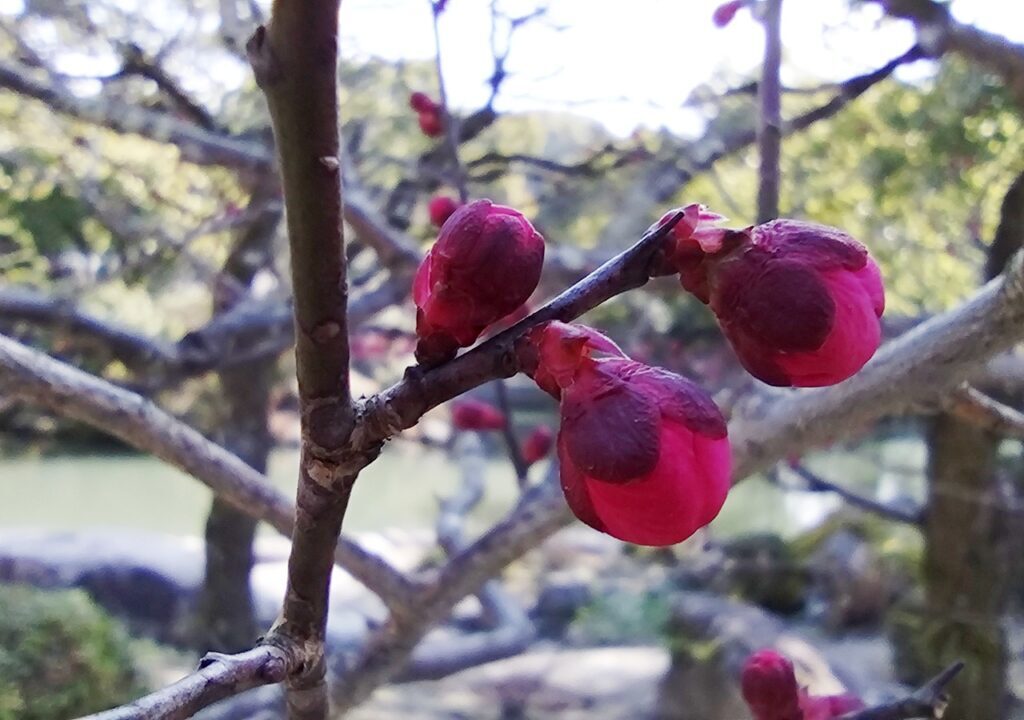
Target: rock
(558,603)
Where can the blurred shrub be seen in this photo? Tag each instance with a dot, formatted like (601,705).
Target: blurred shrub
(61,656)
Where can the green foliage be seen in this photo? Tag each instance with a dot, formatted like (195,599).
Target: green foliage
(915,171)
(623,617)
(60,656)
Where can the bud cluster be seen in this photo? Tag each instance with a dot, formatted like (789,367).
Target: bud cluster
(643,453)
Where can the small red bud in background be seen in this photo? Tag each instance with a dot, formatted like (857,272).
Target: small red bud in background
(725,12)
(769,687)
(538,444)
(431,124)
(643,453)
(485,264)
(441,208)
(421,102)
(472,414)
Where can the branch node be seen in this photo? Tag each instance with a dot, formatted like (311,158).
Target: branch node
(265,65)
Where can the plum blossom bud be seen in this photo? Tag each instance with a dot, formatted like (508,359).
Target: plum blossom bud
(770,689)
(725,12)
(538,444)
(799,302)
(431,124)
(441,208)
(643,453)
(469,414)
(485,264)
(421,102)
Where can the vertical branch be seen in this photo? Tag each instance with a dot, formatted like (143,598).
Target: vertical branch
(295,62)
(769,127)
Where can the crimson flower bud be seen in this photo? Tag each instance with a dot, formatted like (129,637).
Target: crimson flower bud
(643,453)
(472,414)
(769,687)
(725,12)
(441,208)
(799,302)
(431,123)
(485,264)
(422,103)
(538,444)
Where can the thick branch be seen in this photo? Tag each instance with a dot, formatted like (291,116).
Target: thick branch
(218,677)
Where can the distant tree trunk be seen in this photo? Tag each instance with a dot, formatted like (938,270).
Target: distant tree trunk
(226,619)
(972,547)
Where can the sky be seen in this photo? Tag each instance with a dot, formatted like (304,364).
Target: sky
(588,55)
(624,64)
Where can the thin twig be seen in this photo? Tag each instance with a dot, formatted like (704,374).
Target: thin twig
(769,125)
(817,483)
(928,702)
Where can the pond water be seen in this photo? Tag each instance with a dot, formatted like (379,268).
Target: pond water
(399,490)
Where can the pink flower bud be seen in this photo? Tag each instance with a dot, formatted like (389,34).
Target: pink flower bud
(422,103)
(725,12)
(485,264)
(769,687)
(431,123)
(441,208)
(799,302)
(538,444)
(472,414)
(643,452)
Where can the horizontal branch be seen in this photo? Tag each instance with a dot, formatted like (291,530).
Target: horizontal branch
(134,349)
(218,677)
(30,375)
(197,145)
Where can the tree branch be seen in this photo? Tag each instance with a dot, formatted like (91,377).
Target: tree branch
(295,58)
(929,701)
(938,31)
(400,406)
(817,483)
(30,375)
(769,124)
(218,677)
(979,409)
